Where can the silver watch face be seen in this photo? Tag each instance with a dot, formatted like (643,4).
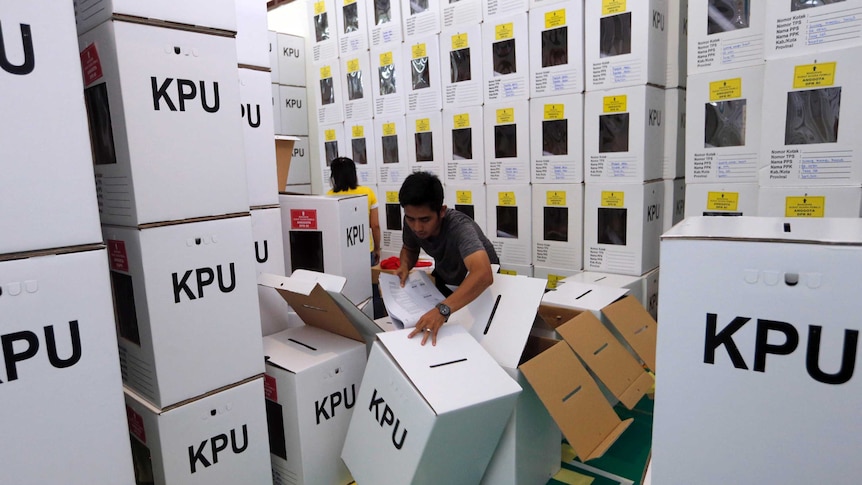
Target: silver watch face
(444,310)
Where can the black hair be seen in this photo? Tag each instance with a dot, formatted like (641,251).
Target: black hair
(422,188)
(343,174)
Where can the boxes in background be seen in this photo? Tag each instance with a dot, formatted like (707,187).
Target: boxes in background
(674,133)
(362,150)
(137,92)
(461,13)
(462,75)
(556,50)
(724,143)
(505,61)
(731,199)
(507,142)
(49,198)
(299,189)
(384,23)
(821,201)
(469,199)
(424,149)
(257,130)
(558,225)
(291,60)
(501,8)
(218,14)
(388,82)
(724,34)
(553,276)
(625,44)
(677,44)
(274,54)
(776,319)
(172,286)
(329,234)
(557,156)
(422,65)
(269,255)
(464,145)
(252,36)
(624,132)
(218,439)
(276,109)
(328,92)
(806,146)
(420,19)
(510,223)
(674,203)
(352,21)
(391,219)
(357,95)
(391,145)
(622,227)
(516,269)
(333,144)
(323,31)
(801,28)
(294,110)
(300,163)
(62,377)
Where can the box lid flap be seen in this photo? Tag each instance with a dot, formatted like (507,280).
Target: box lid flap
(583,296)
(827,230)
(574,400)
(301,348)
(607,358)
(635,326)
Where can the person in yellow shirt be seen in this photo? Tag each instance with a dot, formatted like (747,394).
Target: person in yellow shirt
(344,182)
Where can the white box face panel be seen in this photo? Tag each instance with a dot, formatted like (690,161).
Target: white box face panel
(808,146)
(391,145)
(261,171)
(461,55)
(48,194)
(269,256)
(557,50)
(352,22)
(61,381)
(328,92)
(505,61)
(389,81)
(362,149)
(774,320)
(300,163)
(252,36)
(274,54)
(384,23)
(276,109)
(732,199)
(801,28)
(183,98)
(558,229)
(421,62)
(725,35)
(216,14)
(425,142)
(461,13)
(674,133)
(391,219)
(464,145)
(332,145)
(358,102)
(509,210)
(420,18)
(724,144)
(294,110)
(493,9)
(291,60)
(677,44)
(469,199)
(507,142)
(557,149)
(323,31)
(809,201)
(674,203)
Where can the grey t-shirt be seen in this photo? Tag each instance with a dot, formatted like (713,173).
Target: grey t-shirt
(459,237)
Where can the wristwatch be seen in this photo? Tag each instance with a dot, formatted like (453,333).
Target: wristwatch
(444,310)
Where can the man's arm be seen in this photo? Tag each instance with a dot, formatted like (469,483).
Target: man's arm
(374,220)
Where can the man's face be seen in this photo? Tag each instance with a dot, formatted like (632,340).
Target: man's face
(423,221)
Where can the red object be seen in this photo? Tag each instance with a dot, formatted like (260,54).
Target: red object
(394,262)
(303,219)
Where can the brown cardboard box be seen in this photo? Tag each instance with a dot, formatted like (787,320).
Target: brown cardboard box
(283,153)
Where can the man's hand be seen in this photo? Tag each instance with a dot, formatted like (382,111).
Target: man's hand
(428,325)
(402,272)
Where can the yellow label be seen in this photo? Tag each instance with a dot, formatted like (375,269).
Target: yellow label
(615,104)
(459,41)
(325,72)
(329,135)
(506,198)
(423,125)
(388,129)
(722,201)
(725,89)
(554,111)
(392,197)
(813,75)
(358,131)
(805,206)
(462,120)
(505,116)
(386,59)
(319,8)
(510,272)
(613,199)
(418,51)
(613,6)
(553,280)
(555,18)
(349,2)
(555,198)
(464,197)
(504,31)
(353,65)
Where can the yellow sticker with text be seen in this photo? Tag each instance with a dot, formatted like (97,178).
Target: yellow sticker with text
(386,59)
(349,2)
(319,8)
(459,41)
(464,197)
(392,197)
(418,51)
(388,129)
(725,89)
(505,116)
(613,6)
(555,18)
(510,272)
(358,131)
(325,72)
(613,199)
(814,75)
(722,201)
(553,280)
(555,198)
(506,198)
(805,206)
(615,104)
(353,65)
(555,111)
(461,120)
(423,125)
(504,31)
(329,135)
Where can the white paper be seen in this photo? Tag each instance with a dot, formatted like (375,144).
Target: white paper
(407,305)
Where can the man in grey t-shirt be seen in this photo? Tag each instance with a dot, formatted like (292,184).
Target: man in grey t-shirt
(462,254)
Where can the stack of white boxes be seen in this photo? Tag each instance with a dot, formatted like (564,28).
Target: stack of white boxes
(161,88)
(62,392)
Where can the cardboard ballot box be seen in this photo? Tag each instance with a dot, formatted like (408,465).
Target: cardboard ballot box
(757,351)
(206,14)
(269,256)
